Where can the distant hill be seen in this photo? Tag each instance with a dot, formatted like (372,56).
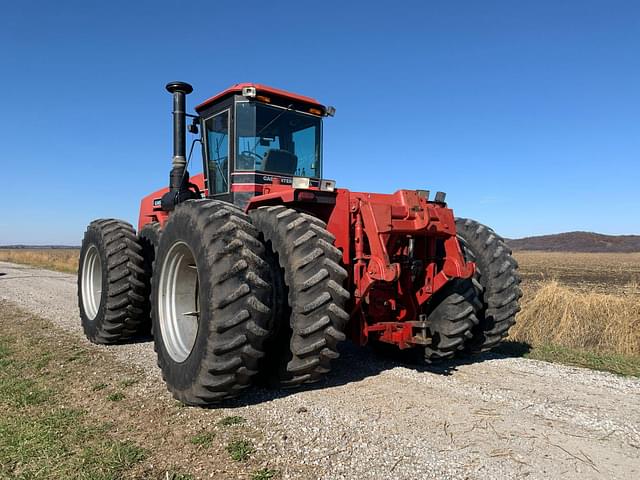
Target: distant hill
(578,242)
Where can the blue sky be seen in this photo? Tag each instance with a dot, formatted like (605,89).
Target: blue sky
(526,113)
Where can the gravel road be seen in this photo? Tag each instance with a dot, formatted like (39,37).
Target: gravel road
(373,419)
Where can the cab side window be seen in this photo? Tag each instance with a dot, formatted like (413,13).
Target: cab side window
(217,128)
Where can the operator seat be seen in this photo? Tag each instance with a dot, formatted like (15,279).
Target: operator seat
(280,161)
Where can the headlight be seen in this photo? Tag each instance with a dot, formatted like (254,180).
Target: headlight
(301,182)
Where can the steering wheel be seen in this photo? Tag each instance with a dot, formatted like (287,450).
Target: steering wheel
(256,156)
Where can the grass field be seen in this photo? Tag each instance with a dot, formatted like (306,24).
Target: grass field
(583,307)
(70,411)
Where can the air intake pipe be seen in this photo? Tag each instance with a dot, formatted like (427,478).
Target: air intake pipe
(179,177)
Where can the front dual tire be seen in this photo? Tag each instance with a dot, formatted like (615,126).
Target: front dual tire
(220,299)
(111,293)
(309,297)
(217,298)
(210,297)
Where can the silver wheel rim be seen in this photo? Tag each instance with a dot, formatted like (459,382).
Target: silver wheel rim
(91,284)
(178,302)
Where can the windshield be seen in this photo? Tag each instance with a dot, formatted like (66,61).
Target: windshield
(277,140)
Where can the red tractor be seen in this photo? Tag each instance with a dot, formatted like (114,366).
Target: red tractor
(259,266)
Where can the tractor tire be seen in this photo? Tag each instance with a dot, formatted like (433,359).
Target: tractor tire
(110,282)
(148,237)
(497,280)
(210,302)
(311,299)
(451,319)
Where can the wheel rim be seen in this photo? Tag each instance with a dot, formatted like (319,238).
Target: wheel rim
(91,282)
(178,302)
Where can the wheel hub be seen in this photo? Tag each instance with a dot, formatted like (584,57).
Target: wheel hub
(91,284)
(178,302)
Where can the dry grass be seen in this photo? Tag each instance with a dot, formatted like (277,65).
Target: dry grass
(555,314)
(584,301)
(62,260)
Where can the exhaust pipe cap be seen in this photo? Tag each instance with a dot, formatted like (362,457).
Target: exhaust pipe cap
(181,87)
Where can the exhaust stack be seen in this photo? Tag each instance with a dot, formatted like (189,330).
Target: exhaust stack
(178,178)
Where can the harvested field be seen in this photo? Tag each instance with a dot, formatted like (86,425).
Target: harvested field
(616,273)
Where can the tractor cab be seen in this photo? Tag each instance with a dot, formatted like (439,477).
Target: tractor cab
(254,135)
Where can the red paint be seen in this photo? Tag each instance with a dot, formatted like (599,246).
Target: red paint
(372,229)
(246,187)
(150,213)
(260,90)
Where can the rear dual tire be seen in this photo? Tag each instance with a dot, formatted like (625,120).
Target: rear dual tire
(452,319)
(496,279)
(475,315)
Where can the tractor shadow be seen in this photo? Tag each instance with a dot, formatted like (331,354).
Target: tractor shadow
(358,363)
(144,337)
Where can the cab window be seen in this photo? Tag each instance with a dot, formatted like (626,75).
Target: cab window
(277,140)
(217,129)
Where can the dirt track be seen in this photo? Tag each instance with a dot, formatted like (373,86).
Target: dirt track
(495,418)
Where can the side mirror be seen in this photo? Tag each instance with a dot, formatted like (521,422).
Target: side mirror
(193,127)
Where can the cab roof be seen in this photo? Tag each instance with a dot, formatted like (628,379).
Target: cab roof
(263,90)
